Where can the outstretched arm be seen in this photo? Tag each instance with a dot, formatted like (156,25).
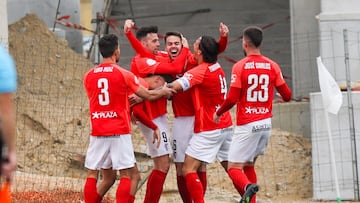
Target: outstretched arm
(223,40)
(174,67)
(154,94)
(134,42)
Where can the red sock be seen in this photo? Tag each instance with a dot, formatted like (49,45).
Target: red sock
(203,179)
(90,191)
(239,179)
(154,186)
(131,199)
(251,175)
(184,193)
(195,188)
(123,190)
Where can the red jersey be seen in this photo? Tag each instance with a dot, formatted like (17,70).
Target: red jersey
(209,89)
(142,67)
(182,103)
(142,110)
(257,76)
(107,86)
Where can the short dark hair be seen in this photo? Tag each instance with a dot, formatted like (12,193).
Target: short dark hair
(167,77)
(254,35)
(143,31)
(177,34)
(209,49)
(108,44)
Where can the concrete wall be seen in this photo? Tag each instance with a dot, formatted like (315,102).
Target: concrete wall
(292,117)
(335,17)
(343,148)
(46,10)
(304,46)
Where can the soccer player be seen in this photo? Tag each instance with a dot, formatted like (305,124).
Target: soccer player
(8,86)
(141,110)
(208,88)
(107,86)
(143,66)
(253,81)
(184,113)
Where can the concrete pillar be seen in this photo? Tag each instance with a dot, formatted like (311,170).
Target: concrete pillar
(3,23)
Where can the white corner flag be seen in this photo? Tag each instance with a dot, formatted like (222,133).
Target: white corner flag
(330,90)
(332,101)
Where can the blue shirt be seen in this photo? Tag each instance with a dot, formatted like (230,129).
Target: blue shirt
(8,78)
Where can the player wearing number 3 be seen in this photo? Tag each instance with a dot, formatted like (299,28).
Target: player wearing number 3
(253,81)
(108,86)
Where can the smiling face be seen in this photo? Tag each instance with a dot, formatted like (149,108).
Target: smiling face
(173,46)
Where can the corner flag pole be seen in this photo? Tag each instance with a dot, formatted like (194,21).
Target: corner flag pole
(332,101)
(332,155)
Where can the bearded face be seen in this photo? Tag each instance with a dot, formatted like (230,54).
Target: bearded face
(173,46)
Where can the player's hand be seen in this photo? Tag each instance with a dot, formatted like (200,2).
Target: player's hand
(168,92)
(134,99)
(184,42)
(224,30)
(157,137)
(128,25)
(8,167)
(216,118)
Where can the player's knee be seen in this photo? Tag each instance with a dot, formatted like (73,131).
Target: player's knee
(109,181)
(162,164)
(136,177)
(185,170)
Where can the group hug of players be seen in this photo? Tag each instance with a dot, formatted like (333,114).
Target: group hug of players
(202,130)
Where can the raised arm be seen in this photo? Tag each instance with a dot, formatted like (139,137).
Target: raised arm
(134,42)
(174,67)
(223,40)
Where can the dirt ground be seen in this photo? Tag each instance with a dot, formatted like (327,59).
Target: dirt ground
(53,127)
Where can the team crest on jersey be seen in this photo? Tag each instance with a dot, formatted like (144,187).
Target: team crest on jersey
(233,78)
(189,76)
(150,62)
